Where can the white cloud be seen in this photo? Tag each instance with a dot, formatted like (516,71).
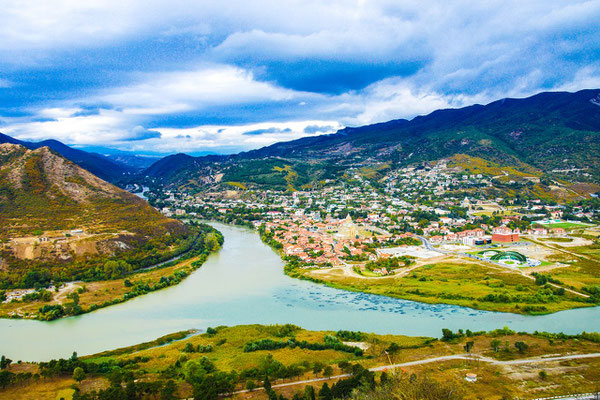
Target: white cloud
(106,127)
(464,52)
(180,91)
(218,137)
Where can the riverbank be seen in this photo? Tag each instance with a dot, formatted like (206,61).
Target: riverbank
(244,283)
(451,279)
(505,364)
(76,298)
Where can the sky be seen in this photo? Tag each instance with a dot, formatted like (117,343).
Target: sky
(161,77)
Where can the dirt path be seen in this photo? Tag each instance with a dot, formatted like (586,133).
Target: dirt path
(535,360)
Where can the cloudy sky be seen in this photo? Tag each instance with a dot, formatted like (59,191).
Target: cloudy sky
(223,76)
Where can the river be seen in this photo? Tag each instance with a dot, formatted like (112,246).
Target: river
(244,283)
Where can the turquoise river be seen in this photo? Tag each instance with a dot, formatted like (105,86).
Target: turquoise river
(244,283)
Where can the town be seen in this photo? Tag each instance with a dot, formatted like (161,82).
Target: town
(403,219)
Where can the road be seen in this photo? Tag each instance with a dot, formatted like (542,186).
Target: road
(473,357)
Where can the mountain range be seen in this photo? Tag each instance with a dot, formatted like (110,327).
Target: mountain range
(556,133)
(552,132)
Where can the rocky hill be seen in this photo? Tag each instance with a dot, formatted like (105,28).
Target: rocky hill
(57,215)
(99,165)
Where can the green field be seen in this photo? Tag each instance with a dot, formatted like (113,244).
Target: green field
(566,225)
(465,283)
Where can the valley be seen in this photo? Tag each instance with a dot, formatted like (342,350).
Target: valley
(462,259)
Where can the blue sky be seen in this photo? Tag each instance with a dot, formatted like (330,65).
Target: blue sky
(193,76)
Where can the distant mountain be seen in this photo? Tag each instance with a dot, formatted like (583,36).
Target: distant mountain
(177,166)
(138,162)
(550,131)
(44,198)
(97,164)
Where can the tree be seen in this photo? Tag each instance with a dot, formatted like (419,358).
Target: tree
(325,392)
(447,335)
(189,348)
(250,385)
(211,242)
(327,371)
(130,391)
(309,393)
(5,362)
(521,346)
(318,367)
(168,391)
(115,377)
(78,374)
(393,349)
(543,375)
(468,347)
(206,389)
(345,366)
(6,378)
(267,384)
(495,344)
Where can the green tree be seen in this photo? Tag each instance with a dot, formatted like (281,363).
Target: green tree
(206,389)
(250,385)
(211,242)
(392,350)
(168,391)
(115,377)
(345,366)
(78,374)
(309,393)
(521,346)
(327,371)
(383,379)
(469,346)
(317,367)
(5,362)
(6,378)
(495,344)
(325,393)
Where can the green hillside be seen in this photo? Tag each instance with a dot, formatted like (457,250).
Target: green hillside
(557,134)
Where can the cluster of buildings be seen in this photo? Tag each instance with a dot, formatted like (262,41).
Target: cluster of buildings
(349,219)
(328,242)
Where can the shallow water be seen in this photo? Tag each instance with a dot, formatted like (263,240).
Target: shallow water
(244,283)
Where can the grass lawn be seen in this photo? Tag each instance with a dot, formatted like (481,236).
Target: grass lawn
(462,282)
(566,225)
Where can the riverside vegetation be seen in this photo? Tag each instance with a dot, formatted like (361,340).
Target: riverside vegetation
(123,283)
(226,360)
